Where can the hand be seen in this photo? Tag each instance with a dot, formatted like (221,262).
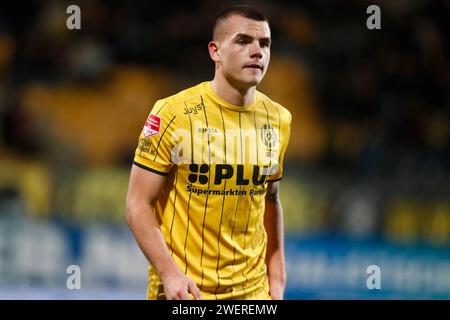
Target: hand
(276,289)
(177,286)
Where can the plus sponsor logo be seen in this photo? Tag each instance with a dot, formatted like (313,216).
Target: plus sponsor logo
(221,172)
(198,173)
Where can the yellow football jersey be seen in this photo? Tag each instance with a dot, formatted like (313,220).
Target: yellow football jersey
(218,159)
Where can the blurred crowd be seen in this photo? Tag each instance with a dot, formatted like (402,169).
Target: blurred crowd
(370,107)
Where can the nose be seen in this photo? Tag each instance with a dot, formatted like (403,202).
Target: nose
(255,50)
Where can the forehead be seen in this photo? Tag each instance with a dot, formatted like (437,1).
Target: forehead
(235,24)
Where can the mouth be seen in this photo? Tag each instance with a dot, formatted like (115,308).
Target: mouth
(254,66)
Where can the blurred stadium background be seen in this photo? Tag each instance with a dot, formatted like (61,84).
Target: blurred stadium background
(367,171)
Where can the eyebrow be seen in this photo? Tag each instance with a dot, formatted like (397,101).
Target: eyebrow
(246,36)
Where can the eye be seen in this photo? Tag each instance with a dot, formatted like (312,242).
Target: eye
(264,44)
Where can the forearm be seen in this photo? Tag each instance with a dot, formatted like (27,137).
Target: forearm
(145,227)
(274,225)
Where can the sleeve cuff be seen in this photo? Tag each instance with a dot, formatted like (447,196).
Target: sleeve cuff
(150,169)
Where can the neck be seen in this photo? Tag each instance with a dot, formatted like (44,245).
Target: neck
(234,95)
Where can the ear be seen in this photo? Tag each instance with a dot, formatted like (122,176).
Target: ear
(213,48)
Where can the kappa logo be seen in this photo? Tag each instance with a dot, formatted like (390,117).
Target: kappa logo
(208,131)
(152,126)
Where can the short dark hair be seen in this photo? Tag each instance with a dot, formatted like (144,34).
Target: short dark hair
(245,11)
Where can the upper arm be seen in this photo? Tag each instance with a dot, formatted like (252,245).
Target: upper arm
(156,141)
(273,192)
(144,187)
(152,159)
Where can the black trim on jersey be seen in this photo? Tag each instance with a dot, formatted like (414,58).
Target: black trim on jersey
(245,240)
(256,136)
(224,135)
(235,212)
(275,180)
(261,227)
(279,141)
(267,112)
(268,122)
(192,136)
(223,203)
(150,169)
(206,202)
(190,196)
(159,141)
(187,232)
(173,216)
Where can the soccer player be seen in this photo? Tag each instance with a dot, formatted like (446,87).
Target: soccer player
(203,199)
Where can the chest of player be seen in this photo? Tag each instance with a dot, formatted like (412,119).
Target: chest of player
(207,156)
(236,139)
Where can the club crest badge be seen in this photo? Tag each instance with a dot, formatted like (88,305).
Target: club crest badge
(269,136)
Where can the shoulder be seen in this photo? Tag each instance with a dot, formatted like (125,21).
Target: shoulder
(285,114)
(179,99)
(171,109)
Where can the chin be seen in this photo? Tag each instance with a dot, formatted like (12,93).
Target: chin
(251,82)
(246,81)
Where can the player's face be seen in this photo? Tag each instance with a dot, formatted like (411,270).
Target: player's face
(244,50)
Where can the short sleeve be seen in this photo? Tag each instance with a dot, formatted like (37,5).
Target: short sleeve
(153,152)
(285,133)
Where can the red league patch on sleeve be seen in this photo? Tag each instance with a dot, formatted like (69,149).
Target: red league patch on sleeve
(152,125)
